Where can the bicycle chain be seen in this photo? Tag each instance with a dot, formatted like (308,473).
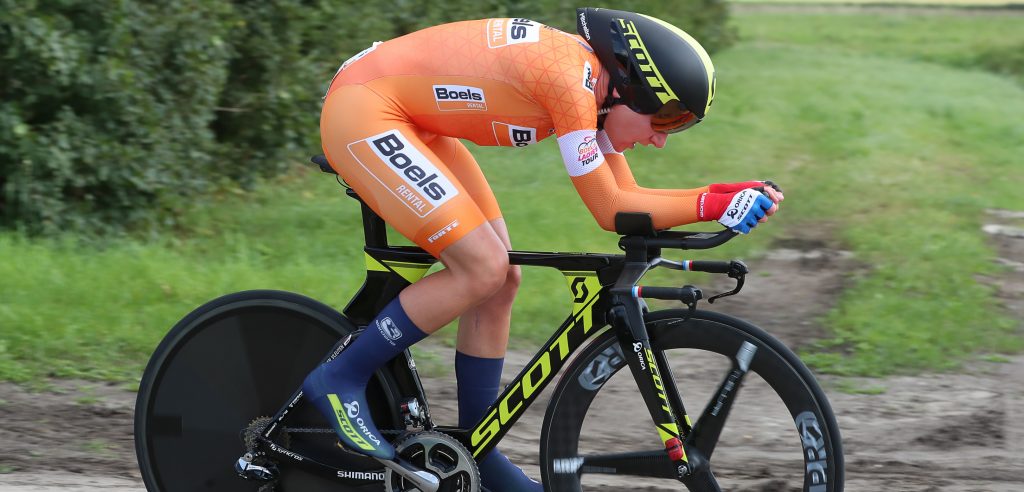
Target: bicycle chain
(321,430)
(255,429)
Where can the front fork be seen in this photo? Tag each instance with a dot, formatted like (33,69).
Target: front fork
(661,396)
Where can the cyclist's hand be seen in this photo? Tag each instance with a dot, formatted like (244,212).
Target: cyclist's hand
(739,211)
(771,184)
(742,185)
(767,186)
(772,191)
(776,196)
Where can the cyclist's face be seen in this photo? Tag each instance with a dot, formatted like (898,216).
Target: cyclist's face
(627,128)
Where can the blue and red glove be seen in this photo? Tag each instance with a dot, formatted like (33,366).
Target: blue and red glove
(739,211)
(734,187)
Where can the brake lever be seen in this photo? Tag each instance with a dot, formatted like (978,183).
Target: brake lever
(737,270)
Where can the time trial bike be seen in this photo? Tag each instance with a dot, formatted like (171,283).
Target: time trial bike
(220,405)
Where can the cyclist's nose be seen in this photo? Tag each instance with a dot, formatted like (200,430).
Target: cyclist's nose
(659,139)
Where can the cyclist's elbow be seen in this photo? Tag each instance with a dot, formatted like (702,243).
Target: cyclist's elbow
(605,219)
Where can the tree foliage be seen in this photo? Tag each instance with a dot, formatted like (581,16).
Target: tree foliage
(115,113)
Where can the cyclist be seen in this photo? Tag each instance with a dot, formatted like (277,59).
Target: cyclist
(391,124)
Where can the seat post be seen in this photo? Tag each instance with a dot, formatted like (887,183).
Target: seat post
(375,232)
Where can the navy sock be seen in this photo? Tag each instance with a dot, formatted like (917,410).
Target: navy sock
(338,388)
(479,380)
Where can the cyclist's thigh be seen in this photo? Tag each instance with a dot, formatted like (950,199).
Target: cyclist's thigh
(464,166)
(382,156)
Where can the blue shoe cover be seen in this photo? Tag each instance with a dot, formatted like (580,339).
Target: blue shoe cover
(347,411)
(498,474)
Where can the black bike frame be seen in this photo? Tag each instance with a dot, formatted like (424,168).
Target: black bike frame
(603,293)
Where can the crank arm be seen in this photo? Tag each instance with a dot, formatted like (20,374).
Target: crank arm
(422,479)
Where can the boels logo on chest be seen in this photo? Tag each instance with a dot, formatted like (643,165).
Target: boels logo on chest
(508,135)
(459,98)
(503,32)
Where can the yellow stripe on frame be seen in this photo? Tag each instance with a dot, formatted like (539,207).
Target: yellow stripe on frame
(373,265)
(667,431)
(411,272)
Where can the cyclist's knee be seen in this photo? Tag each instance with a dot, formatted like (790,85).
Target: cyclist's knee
(480,262)
(514,277)
(507,293)
(499,304)
(492,273)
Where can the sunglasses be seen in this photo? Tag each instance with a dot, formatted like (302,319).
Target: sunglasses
(673,118)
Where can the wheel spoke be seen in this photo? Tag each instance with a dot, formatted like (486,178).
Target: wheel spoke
(655,464)
(708,428)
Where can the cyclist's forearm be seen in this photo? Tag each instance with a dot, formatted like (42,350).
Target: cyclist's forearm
(604,199)
(626,182)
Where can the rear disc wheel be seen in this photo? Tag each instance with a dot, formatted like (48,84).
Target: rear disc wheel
(233,360)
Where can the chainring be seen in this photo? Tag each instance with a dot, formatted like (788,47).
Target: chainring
(437,453)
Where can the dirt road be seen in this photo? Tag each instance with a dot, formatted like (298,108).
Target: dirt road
(935,432)
(958,433)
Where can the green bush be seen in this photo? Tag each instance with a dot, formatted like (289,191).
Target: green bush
(118,113)
(106,107)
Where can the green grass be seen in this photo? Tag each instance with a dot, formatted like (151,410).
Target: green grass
(908,138)
(858,387)
(945,3)
(891,130)
(983,40)
(99,448)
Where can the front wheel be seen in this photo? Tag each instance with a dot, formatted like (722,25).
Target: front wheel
(778,433)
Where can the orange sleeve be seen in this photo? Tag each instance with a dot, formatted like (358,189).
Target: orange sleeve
(604,197)
(626,182)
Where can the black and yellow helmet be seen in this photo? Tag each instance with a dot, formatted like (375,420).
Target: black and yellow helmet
(657,68)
